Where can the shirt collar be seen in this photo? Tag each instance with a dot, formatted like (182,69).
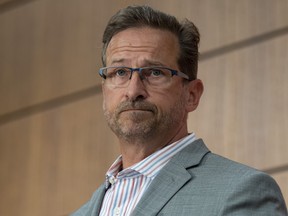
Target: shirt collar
(162,156)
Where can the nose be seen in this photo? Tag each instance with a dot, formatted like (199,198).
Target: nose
(136,89)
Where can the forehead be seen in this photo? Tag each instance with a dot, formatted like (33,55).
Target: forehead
(144,42)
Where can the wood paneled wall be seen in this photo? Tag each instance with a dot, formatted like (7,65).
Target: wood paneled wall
(54,143)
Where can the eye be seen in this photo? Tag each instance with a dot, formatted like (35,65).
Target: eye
(156,72)
(121,72)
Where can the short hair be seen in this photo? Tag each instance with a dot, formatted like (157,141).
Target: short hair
(145,16)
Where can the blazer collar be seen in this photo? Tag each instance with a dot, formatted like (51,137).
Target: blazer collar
(170,179)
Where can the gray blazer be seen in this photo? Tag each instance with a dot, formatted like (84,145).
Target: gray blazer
(198,182)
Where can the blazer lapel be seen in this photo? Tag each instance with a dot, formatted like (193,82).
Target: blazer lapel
(96,201)
(170,179)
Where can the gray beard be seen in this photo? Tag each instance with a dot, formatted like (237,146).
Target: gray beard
(136,128)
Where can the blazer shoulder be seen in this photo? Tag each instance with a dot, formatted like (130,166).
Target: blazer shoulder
(244,190)
(220,186)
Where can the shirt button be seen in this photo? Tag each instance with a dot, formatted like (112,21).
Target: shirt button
(112,180)
(117,211)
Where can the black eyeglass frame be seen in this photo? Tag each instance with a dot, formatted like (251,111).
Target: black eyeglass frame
(139,70)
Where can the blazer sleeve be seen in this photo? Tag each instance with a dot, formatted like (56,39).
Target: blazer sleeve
(255,194)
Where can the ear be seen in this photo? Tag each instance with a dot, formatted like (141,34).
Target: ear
(195,90)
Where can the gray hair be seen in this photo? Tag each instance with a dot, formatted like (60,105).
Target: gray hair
(145,16)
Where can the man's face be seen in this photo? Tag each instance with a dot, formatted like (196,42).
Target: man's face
(140,111)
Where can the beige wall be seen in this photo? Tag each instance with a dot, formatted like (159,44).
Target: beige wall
(54,144)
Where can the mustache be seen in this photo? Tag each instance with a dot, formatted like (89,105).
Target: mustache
(141,105)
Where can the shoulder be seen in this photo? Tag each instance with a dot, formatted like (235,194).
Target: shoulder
(236,175)
(221,171)
(241,189)
(198,158)
(245,190)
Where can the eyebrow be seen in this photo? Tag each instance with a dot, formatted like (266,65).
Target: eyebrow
(146,62)
(153,63)
(117,61)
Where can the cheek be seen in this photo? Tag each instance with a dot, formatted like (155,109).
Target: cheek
(104,104)
(163,102)
(107,102)
(163,97)
(105,99)
(170,95)
(110,99)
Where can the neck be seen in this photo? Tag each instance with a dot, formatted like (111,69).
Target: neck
(133,151)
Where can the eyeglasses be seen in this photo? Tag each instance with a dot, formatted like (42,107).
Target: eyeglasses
(154,76)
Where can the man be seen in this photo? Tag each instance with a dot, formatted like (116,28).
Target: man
(149,86)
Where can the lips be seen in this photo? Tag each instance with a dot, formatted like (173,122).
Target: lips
(136,106)
(136,109)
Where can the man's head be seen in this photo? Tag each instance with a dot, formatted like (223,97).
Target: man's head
(146,97)
(144,16)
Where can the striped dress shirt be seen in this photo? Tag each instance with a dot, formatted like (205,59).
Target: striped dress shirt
(125,188)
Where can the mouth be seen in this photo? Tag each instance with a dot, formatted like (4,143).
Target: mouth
(135,110)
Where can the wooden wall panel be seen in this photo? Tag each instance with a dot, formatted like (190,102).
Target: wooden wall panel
(48,49)
(225,22)
(4,1)
(246,104)
(54,143)
(281,179)
(51,162)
